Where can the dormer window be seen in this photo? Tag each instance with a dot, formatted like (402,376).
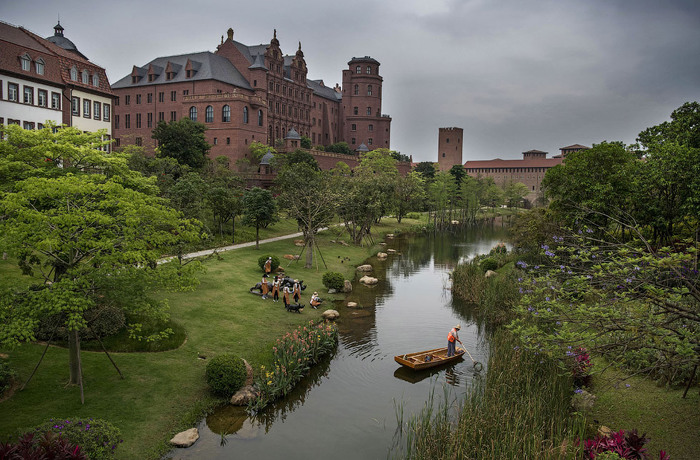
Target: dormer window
(39,64)
(151,77)
(26,62)
(169,75)
(189,74)
(86,76)
(134,79)
(95,80)
(74,73)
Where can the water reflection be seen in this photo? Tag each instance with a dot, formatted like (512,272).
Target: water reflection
(355,392)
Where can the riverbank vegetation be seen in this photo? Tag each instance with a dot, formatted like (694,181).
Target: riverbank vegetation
(610,268)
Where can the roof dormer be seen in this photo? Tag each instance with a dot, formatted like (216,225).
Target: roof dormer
(191,68)
(154,72)
(171,70)
(137,74)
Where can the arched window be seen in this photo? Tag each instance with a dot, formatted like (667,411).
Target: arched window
(74,73)
(260,117)
(95,80)
(86,76)
(209,114)
(193,113)
(245,114)
(226,114)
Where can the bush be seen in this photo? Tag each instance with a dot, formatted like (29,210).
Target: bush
(226,374)
(98,439)
(275,262)
(105,320)
(334,280)
(413,215)
(47,445)
(489,263)
(6,377)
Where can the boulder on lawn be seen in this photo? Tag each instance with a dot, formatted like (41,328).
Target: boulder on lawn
(490,273)
(368,280)
(391,251)
(185,438)
(381,255)
(347,286)
(299,243)
(389,235)
(352,304)
(364,268)
(330,315)
(244,396)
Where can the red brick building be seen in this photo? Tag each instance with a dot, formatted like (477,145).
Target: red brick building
(252,93)
(449,148)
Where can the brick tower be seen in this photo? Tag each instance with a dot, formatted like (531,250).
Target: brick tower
(449,148)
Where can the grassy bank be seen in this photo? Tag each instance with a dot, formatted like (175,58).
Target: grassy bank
(165,392)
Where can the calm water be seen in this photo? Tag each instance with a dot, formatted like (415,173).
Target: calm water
(347,408)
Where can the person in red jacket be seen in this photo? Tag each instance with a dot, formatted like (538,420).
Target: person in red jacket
(453,337)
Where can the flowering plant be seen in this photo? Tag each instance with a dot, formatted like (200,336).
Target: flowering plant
(625,444)
(98,439)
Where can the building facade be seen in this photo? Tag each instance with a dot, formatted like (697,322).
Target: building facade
(530,170)
(449,148)
(244,94)
(48,79)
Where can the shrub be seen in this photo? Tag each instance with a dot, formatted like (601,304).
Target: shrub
(226,374)
(489,263)
(626,444)
(275,262)
(105,320)
(413,215)
(98,439)
(47,445)
(6,377)
(334,280)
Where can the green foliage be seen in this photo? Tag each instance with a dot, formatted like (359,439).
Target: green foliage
(259,210)
(98,439)
(105,320)
(458,173)
(299,156)
(275,262)
(413,215)
(398,156)
(6,377)
(258,149)
(305,142)
(183,140)
(426,169)
(489,263)
(339,147)
(225,374)
(334,280)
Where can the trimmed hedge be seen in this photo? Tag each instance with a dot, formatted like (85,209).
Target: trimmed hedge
(226,374)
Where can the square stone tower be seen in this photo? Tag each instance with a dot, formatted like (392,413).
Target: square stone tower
(450,148)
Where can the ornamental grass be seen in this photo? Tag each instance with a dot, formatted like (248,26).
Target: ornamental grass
(293,355)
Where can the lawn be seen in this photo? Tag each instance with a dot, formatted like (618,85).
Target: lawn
(165,392)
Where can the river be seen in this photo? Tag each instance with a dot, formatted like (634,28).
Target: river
(348,407)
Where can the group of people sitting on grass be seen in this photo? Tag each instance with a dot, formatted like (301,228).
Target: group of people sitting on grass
(294,292)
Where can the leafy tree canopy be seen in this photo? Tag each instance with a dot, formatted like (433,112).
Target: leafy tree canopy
(183,140)
(427,169)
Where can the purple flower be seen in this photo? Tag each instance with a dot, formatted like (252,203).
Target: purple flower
(549,253)
(578,391)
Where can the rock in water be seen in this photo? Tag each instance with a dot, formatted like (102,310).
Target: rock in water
(347,286)
(368,280)
(244,396)
(364,268)
(330,315)
(185,438)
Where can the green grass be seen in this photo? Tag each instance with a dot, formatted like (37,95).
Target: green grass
(165,392)
(671,422)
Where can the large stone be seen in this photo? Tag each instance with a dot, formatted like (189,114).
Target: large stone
(185,438)
(381,255)
(291,257)
(490,273)
(244,396)
(368,280)
(389,235)
(332,291)
(299,243)
(391,251)
(352,304)
(347,286)
(330,315)
(249,373)
(364,268)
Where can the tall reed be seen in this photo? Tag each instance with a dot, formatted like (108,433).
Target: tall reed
(520,410)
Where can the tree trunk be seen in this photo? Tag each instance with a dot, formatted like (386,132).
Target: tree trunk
(257,237)
(310,253)
(233,230)
(74,357)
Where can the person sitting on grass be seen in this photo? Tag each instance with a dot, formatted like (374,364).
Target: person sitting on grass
(315,300)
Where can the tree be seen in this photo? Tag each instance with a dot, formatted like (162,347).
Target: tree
(458,172)
(188,195)
(307,195)
(183,140)
(295,157)
(514,193)
(83,236)
(409,194)
(259,209)
(427,169)
(258,149)
(339,147)
(625,299)
(305,142)
(441,195)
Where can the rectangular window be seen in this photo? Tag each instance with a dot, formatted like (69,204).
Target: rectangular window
(116,122)
(40,67)
(369,141)
(75,106)
(173,95)
(86,108)
(150,120)
(353,141)
(161,96)
(56,101)
(127,99)
(149,97)
(371,128)
(353,127)
(173,116)
(216,141)
(116,102)
(28,125)
(138,120)
(28,95)
(228,141)
(369,111)
(106,112)
(139,141)
(12,92)
(127,121)
(42,97)
(355,111)
(185,92)
(25,63)
(96,110)
(161,116)
(138,98)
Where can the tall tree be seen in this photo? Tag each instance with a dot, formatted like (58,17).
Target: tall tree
(259,209)
(409,194)
(427,169)
(183,140)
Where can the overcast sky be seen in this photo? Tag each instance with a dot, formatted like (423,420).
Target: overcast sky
(514,74)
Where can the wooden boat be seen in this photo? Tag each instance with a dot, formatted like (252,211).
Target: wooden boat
(427,359)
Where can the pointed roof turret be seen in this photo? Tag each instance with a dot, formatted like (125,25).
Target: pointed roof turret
(293,134)
(362,148)
(58,29)
(60,40)
(267,158)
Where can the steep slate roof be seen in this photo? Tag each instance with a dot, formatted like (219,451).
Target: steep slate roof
(250,51)
(212,67)
(321,90)
(525,163)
